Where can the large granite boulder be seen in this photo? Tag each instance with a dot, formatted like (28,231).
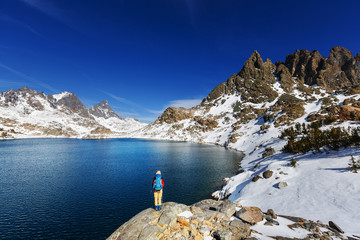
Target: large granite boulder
(250,215)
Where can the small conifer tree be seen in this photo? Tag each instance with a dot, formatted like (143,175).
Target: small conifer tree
(293,162)
(354,165)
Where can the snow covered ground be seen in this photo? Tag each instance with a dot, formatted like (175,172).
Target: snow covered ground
(320,187)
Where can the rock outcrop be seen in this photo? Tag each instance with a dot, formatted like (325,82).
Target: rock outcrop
(178,221)
(253,82)
(173,114)
(70,103)
(339,70)
(210,219)
(103,110)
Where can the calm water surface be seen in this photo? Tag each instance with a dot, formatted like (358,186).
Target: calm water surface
(85,189)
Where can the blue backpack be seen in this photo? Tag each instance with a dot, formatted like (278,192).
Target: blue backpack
(158,185)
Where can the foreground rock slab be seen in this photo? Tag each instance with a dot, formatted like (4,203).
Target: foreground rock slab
(178,221)
(210,219)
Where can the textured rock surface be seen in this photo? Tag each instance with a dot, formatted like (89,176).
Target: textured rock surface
(282,185)
(250,214)
(166,224)
(103,110)
(340,69)
(173,114)
(267,174)
(207,219)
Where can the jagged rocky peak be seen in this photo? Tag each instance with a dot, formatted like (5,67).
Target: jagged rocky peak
(103,110)
(70,102)
(253,82)
(339,70)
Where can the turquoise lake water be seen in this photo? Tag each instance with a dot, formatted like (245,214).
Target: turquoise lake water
(85,189)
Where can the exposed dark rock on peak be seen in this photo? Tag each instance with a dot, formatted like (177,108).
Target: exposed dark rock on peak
(340,70)
(103,110)
(304,65)
(339,56)
(11,97)
(252,66)
(252,82)
(284,76)
(71,102)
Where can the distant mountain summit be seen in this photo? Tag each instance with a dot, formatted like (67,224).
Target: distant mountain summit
(26,112)
(71,103)
(103,110)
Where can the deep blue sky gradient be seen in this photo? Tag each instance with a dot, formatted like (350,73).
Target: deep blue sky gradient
(145,55)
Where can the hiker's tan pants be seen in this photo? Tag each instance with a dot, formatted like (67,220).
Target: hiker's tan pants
(158,196)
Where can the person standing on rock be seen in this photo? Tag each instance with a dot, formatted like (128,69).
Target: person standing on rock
(158,185)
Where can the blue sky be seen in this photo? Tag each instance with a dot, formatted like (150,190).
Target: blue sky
(145,55)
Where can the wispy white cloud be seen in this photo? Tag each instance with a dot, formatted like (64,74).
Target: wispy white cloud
(11,84)
(20,24)
(186,103)
(31,79)
(121,99)
(48,8)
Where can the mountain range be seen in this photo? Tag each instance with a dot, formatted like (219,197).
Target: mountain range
(28,113)
(264,111)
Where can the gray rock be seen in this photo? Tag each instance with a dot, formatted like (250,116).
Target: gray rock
(294,219)
(282,185)
(238,224)
(170,212)
(267,174)
(207,215)
(271,213)
(271,221)
(257,177)
(227,207)
(133,228)
(208,204)
(204,230)
(335,226)
(224,235)
(149,233)
(251,215)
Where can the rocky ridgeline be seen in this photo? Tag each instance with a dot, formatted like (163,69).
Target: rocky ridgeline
(275,93)
(211,219)
(26,112)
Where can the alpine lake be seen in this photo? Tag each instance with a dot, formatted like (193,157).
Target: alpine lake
(86,189)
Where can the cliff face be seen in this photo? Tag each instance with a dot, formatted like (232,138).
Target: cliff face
(339,70)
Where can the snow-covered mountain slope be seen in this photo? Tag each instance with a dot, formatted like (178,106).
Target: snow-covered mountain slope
(28,113)
(252,109)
